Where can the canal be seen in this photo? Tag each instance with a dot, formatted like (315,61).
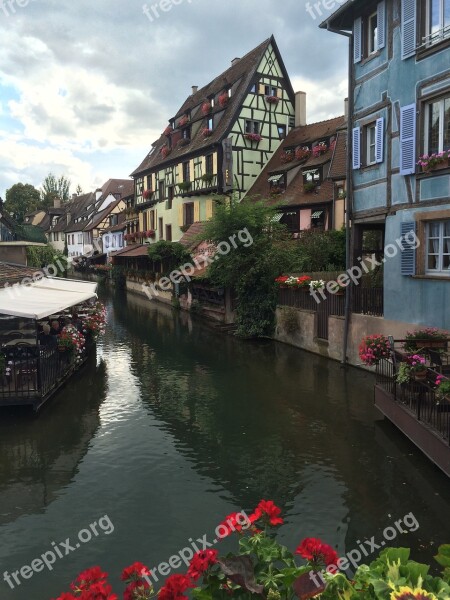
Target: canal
(174,425)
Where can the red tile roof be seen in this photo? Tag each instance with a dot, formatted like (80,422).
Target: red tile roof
(190,238)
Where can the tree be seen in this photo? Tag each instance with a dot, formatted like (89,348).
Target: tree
(79,190)
(261,252)
(55,188)
(21,199)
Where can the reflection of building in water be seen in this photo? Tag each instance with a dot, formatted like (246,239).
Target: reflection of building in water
(40,457)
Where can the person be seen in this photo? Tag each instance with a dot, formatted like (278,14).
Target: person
(55,328)
(77,323)
(45,339)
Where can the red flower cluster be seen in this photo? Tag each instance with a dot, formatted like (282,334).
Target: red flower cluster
(373,348)
(287,156)
(201,562)
(175,587)
(206,132)
(168,130)
(268,512)
(272,99)
(165,151)
(135,572)
(90,585)
(183,121)
(302,153)
(206,107)
(319,554)
(253,137)
(230,524)
(223,99)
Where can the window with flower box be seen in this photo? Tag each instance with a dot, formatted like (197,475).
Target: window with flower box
(252,127)
(270,90)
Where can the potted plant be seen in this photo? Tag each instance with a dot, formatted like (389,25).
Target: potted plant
(184,186)
(374,348)
(429,337)
(206,107)
(417,366)
(223,99)
(253,137)
(165,151)
(403,373)
(207,178)
(309,187)
(147,194)
(436,160)
(272,99)
(302,153)
(72,341)
(287,156)
(320,149)
(443,388)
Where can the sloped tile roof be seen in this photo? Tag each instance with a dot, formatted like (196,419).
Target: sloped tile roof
(338,168)
(238,77)
(190,237)
(14,273)
(295,194)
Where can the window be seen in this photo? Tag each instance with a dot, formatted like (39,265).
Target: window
(371,144)
(252,127)
(437,20)
(318,219)
(209,165)
(269,90)
(186,172)
(212,102)
(160,228)
(56,237)
(437,126)
(189,214)
(438,248)
(80,238)
(282,131)
(186,133)
(311,176)
(161,190)
(168,233)
(372,34)
(145,221)
(152,221)
(170,194)
(211,123)
(253,89)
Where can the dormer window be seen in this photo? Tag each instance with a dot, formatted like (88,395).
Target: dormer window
(277,183)
(312,176)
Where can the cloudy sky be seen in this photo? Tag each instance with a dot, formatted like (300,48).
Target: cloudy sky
(86,86)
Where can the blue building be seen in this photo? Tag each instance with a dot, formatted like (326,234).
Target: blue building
(400,111)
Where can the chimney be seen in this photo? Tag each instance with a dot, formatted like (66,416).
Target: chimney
(235,61)
(68,217)
(194,89)
(300,109)
(56,202)
(346,109)
(98,193)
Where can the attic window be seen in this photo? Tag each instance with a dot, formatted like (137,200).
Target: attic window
(253,89)
(312,176)
(275,178)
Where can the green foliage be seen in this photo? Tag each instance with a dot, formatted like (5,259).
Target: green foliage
(319,251)
(171,255)
(250,268)
(55,188)
(31,233)
(22,199)
(42,256)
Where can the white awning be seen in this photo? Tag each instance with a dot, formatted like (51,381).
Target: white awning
(317,214)
(45,297)
(277,217)
(275,178)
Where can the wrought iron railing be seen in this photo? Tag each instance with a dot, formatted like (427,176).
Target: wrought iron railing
(366,301)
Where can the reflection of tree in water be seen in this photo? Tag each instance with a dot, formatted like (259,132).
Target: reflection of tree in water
(265,420)
(40,455)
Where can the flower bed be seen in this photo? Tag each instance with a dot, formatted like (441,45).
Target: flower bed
(263,568)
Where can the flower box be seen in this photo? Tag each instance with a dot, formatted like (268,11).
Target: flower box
(434,162)
(302,153)
(168,130)
(183,121)
(207,132)
(287,156)
(206,108)
(272,99)
(253,137)
(185,186)
(147,194)
(320,149)
(224,99)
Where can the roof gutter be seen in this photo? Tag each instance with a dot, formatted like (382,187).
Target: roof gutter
(349,192)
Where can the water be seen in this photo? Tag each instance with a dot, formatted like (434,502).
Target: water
(173,426)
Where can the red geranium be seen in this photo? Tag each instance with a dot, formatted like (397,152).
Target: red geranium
(268,512)
(175,587)
(317,552)
(137,590)
(201,562)
(135,571)
(87,578)
(231,524)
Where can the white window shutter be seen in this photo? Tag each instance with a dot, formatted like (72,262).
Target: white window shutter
(407,139)
(379,140)
(409,19)
(356,154)
(357,40)
(381,25)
